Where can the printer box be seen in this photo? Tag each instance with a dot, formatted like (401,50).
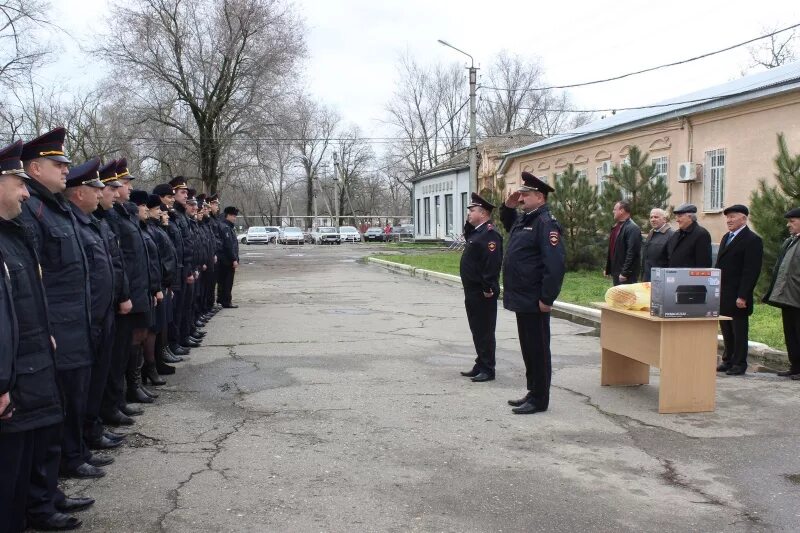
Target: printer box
(684,292)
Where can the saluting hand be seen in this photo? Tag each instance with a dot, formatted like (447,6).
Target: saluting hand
(513,200)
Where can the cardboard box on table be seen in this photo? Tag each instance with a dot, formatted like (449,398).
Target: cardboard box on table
(684,292)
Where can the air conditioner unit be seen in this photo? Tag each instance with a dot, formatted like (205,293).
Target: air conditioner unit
(606,168)
(690,172)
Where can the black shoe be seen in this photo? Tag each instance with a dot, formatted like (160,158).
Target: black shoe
(115,437)
(55,522)
(104,443)
(197,334)
(483,376)
(199,324)
(528,408)
(73,505)
(147,391)
(149,373)
(178,350)
(231,306)
(789,373)
(84,471)
(170,358)
(164,369)
(521,401)
(471,374)
(795,377)
(188,343)
(100,460)
(131,410)
(195,339)
(117,419)
(723,367)
(736,370)
(135,394)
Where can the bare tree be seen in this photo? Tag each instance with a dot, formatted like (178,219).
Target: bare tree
(20,50)
(201,67)
(775,50)
(353,155)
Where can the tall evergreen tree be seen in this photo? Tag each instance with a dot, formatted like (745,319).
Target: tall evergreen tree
(496,196)
(635,181)
(769,203)
(574,204)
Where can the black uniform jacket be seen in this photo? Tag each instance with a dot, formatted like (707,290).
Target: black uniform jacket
(740,263)
(627,251)
(101,270)
(35,394)
(186,252)
(166,253)
(535,259)
(153,260)
(134,254)
(690,248)
(121,289)
(50,225)
(9,330)
(177,243)
(482,259)
(229,250)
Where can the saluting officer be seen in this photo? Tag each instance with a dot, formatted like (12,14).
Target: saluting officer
(228,259)
(30,428)
(480,271)
(49,221)
(535,265)
(84,190)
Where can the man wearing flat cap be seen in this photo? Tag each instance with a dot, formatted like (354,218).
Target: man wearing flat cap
(480,271)
(784,292)
(690,246)
(739,260)
(228,258)
(532,277)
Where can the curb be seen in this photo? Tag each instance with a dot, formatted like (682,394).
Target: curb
(585,316)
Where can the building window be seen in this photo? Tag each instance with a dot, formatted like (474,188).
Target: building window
(660,168)
(427,215)
(419,217)
(601,180)
(582,173)
(714,180)
(437,202)
(448,213)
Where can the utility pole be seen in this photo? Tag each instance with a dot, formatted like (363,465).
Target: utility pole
(473,141)
(336,190)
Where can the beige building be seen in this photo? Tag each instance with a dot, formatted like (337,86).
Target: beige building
(712,146)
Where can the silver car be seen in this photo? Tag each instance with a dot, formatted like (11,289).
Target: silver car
(291,235)
(349,234)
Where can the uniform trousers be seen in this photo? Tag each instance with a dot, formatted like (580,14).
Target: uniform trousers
(74,384)
(534,340)
(187,311)
(735,333)
(29,462)
(225,284)
(791,332)
(114,396)
(176,314)
(102,342)
(482,318)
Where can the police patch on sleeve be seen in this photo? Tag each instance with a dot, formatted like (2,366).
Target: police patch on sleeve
(492,246)
(554,238)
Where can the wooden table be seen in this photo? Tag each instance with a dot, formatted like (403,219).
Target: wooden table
(684,349)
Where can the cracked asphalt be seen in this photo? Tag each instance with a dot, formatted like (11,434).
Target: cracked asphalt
(330,400)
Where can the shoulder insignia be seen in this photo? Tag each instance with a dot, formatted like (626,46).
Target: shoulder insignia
(554,238)
(492,246)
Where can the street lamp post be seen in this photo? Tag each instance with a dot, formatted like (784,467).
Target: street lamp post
(473,146)
(336,190)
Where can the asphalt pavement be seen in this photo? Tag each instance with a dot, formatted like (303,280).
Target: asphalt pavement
(331,400)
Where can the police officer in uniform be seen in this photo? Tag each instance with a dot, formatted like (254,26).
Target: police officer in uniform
(532,277)
(84,190)
(228,259)
(480,272)
(30,422)
(183,308)
(51,225)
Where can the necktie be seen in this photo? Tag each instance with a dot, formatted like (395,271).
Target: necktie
(730,238)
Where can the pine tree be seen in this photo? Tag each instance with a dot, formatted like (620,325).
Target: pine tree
(635,181)
(496,197)
(574,204)
(769,203)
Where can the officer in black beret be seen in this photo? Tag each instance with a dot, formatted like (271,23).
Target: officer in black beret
(30,401)
(535,266)
(480,272)
(690,246)
(228,259)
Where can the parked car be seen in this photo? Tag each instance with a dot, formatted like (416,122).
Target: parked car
(374,234)
(349,234)
(291,235)
(257,235)
(242,238)
(403,230)
(273,231)
(326,235)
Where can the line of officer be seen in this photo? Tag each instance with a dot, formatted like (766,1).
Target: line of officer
(532,277)
(480,272)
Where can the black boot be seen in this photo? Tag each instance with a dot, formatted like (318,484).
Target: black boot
(147,391)
(135,394)
(130,410)
(164,369)
(150,374)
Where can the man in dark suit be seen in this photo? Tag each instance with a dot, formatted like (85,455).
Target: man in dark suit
(690,246)
(739,259)
(624,247)
(653,255)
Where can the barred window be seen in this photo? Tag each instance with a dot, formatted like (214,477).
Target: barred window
(714,180)
(661,165)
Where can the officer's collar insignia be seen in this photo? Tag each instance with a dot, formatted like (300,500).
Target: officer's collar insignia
(554,238)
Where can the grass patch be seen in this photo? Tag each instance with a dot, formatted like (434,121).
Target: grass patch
(583,288)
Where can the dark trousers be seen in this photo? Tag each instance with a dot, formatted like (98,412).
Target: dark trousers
(176,308)
(791,332)
(74,386)
(103,340)
(482,318)
(114,395)
(29,465)
(187,311)
(225,284)
(734,334)
(534,340)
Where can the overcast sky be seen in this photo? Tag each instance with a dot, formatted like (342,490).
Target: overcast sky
(354,45)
